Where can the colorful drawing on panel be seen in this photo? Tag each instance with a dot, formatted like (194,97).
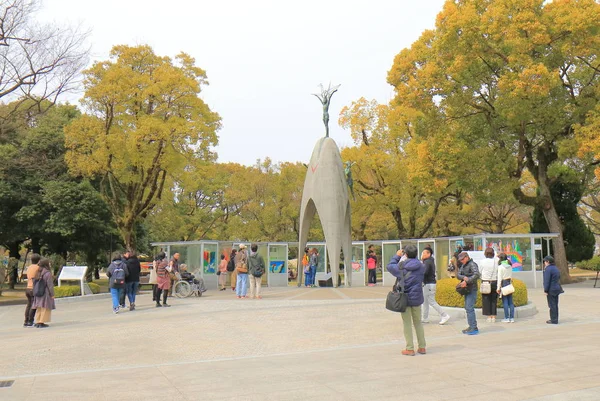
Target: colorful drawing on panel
(357,266)
(209,262)
(512,249)
(277,266)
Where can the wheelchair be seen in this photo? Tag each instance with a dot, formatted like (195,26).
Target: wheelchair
(187,285)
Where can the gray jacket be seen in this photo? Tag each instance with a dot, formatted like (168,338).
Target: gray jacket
(111,269)
(256,263)
(470,270)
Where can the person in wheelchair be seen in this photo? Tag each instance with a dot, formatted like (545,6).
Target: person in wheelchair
(190,278)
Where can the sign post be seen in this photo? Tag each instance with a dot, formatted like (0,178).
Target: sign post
(73,273)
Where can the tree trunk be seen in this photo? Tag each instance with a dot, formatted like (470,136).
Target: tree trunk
(555,226)
(128,235)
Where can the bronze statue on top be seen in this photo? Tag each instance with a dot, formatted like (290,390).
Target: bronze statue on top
(325,98)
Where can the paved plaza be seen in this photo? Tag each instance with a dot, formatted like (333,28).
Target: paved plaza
(296,344)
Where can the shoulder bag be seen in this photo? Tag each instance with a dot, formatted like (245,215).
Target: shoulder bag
(397,299)
(485,287)
(507,289)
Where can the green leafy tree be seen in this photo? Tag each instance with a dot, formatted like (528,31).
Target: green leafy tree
(579,239)
(145,121)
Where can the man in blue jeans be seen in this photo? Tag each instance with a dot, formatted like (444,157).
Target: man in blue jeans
(468,273)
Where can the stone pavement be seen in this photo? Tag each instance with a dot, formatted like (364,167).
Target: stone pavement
(296,344)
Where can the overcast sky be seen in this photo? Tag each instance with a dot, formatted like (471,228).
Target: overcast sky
(264,58)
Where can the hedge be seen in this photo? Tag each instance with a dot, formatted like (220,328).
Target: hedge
(446,294)
(590,264)
(73,290)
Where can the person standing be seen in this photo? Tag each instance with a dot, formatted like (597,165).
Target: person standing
(552,287)
(132,282)
(222,273)
(174,273)
(489,274)
(505,278)
(231,269)
(306,266)
(117,274)
(32,272)
(163,280)
(241,267)
(413,271)
(372,267)
(468,273)
(314,263)
(44,304)
(429,288)
(153,278)
(256,268)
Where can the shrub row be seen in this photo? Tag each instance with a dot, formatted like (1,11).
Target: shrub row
(446,294)
(590,264)
(73,290)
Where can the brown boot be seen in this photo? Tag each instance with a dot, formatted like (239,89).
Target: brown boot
(408,352)
(422,351)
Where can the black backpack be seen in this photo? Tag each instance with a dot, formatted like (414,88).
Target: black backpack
(39,286)
(230,265)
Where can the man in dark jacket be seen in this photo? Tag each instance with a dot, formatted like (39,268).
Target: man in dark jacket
(552,287)
(429,288)
(132,281)
(412,270)
(468,273)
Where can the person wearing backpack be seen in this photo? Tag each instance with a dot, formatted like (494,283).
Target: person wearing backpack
(43,291)
(231,269)
(256,265)
(117,273)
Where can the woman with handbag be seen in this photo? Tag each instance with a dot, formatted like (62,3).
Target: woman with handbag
(43,302)
(489,286)
(410,272)
(505,280)
(241,268)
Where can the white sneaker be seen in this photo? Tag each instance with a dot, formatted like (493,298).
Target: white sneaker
(505,320)
(445,318)
(488,320)
(424,320)
(493,320)
(512,320)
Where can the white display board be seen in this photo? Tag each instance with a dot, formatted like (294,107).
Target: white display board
(73,273)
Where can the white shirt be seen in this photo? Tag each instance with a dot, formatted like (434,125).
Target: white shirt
(489,269)
(504,272)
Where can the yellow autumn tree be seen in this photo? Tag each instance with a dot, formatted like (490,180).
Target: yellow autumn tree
(144,121)
(516,77)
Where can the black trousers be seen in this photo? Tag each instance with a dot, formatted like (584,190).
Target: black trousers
(372,276)
(489,306)
(553,305)
(165,294)
(29,311)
